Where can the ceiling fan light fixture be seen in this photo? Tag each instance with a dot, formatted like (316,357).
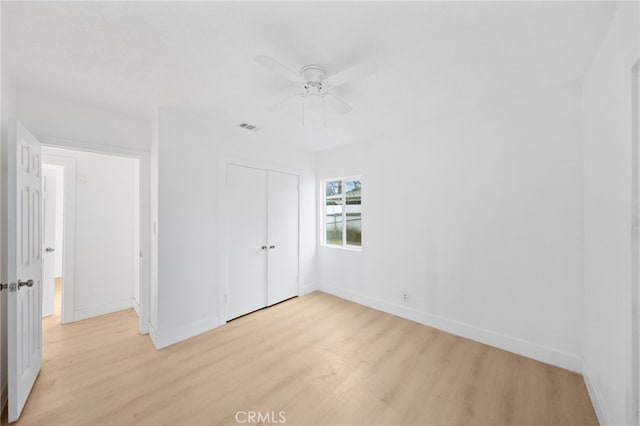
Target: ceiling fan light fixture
(314,101)
(316,104)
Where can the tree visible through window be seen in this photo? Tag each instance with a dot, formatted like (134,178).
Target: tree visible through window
(343,212)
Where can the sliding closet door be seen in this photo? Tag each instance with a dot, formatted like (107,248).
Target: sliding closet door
(246,236)
(283,236)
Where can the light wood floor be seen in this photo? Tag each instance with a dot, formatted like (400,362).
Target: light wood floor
(57,298)
(318,358)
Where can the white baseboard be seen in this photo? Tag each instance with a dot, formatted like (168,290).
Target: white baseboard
(153,335)
(306,289)
(595,395)
(136,306)
(107,308)
(163,338)
(502,341)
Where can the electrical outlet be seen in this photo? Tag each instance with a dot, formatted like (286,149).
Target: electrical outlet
(405,297)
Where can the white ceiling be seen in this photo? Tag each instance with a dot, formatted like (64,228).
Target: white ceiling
(434,58)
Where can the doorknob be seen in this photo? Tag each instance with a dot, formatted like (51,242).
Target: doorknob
(49,249)
(28,283)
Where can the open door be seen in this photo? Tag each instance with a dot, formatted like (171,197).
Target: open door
(49,186)
(24,238)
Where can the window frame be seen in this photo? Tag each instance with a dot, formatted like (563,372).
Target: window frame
(323,192)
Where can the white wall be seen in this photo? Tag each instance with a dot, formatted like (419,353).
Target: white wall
(105,258)
(479,220)
(607,219)
(190,152)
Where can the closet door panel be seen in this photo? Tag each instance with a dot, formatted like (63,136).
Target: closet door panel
(246,234)
(282,215)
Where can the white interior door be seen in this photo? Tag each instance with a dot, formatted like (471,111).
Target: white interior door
(49,196)
(283,237)
(24,234)
(246,240)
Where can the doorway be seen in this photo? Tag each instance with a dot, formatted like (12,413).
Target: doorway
(91,234)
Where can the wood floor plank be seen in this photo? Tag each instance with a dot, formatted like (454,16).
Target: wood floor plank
(318,359)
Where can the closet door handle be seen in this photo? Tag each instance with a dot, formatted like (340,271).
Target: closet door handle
(272,247)
(264,247)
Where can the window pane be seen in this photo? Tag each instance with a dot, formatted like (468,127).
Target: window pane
(334,228)
(333,211)
(352,192)
(333,192)
(354,229)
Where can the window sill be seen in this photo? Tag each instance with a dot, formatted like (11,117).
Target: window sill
(347,248)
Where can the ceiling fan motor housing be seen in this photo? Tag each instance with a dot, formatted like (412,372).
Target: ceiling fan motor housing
(313,75)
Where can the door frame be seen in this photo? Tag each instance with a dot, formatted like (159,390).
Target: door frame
(634,410)
(222,222)
(144,207)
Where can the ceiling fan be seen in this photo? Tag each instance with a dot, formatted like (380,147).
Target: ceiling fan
(315,85)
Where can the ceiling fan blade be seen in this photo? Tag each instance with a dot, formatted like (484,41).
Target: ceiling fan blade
(352,73)
(279,106)
(337,104)
(278,68)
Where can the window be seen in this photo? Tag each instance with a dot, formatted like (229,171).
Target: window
(343,212)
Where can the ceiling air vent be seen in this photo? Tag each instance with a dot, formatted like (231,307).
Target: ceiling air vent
(248,126)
